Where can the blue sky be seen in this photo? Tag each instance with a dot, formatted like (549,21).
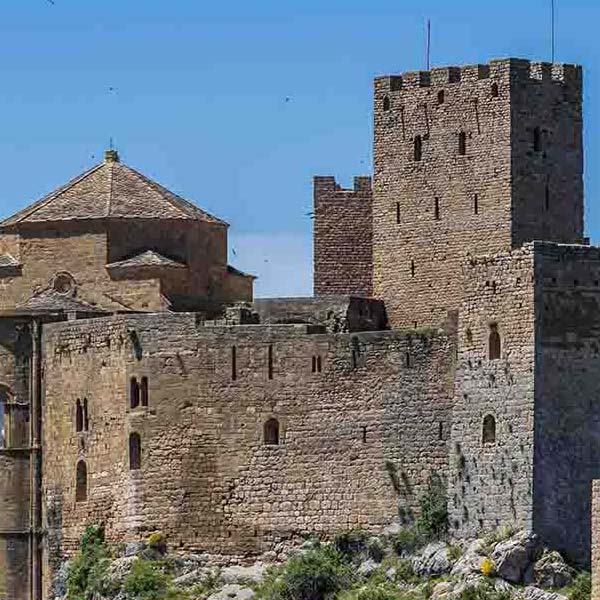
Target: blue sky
(200,89)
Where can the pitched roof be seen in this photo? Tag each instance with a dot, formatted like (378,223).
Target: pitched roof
(110,190)
(149,258)
(52,301)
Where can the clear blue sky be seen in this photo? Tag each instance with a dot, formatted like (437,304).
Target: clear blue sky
(200,97)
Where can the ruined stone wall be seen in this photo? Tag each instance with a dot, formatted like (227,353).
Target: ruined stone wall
(455,175)
(567,423)
(491,479)
(343,238)
(359,435)
(15,350)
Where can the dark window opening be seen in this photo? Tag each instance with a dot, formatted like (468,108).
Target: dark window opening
(537,140)
(270,362)
(462,143)
(314,364)
(271,432)
(364,434)
(398,213)
(441,430)
(134,393)
(494,90)
(547,197)
(418,148)
(78,416)
(233,363)
(81,482)
(144,392)
(489,430)
(408,360)
(86,416)
(386,103)
(135,452)
(436,209)
(412,268)
(475,204)
(354,359)
(495,344)
(319,364)
(440,97)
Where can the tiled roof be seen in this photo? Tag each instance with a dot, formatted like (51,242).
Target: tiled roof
(146,259)
(235,271)
(52,301)
(110,190)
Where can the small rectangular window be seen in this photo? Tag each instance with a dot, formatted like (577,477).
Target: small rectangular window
(270,362)
(397,213)
(314,364)
(475,204)
(233,363)
(364,434)
(412,268)
(319,364)
(436,209)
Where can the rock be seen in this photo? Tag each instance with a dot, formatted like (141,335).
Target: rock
(433,560)
(367,567)
(469,563)
(239,574)
(503,586)
(197,577)
(233,591)
(513,556)
(551,571)
(120,568)
(58,589)
(134,548)
(534,593)
(444,589)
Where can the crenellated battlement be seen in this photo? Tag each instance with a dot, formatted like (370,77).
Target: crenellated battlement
(327,186)
(515,69)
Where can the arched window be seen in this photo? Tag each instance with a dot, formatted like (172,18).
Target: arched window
(78,416)
(86,417)
(537,140)
(144,392)
(135,452)
(441,97)
(462,143)
(495,344)
(489,430)
(271,433)
(386,103)
(494,90)
(81,482)
(134,393)
(418,149)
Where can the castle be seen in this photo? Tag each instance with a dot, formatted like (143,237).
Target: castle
(455,331)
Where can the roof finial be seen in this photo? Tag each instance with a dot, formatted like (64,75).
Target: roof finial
(111,156)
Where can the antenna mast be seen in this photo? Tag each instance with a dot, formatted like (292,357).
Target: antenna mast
(428,45)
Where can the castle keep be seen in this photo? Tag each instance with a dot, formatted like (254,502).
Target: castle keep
(454,333)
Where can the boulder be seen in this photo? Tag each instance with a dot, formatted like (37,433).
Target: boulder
(233,591)
(534,593)
(471,561)
(240,574)
(367,567)
(433,560)
(551,571)
(134,548)
(513,556)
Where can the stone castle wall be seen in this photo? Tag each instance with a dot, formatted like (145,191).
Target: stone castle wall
(491,479)
(595,520)
(456,174)
(343,238)
(567,423)
(358,440)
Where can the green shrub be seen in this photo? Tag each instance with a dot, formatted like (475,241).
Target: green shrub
(484,591)
(375,549)
(433,520)
(350,543)
(378,591)
(145,581)
(87,572)
(318,574)
(158,542)
(581,588)
(454,552)
(407,541)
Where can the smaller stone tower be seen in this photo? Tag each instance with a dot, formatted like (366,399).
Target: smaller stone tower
(343,236)
(470,160)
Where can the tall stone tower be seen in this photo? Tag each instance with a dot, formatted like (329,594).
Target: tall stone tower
(470,161)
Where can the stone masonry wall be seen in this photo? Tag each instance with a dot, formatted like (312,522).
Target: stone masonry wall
(491,480)
(567,423)
(455,175)
(343,238)
(358,440)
